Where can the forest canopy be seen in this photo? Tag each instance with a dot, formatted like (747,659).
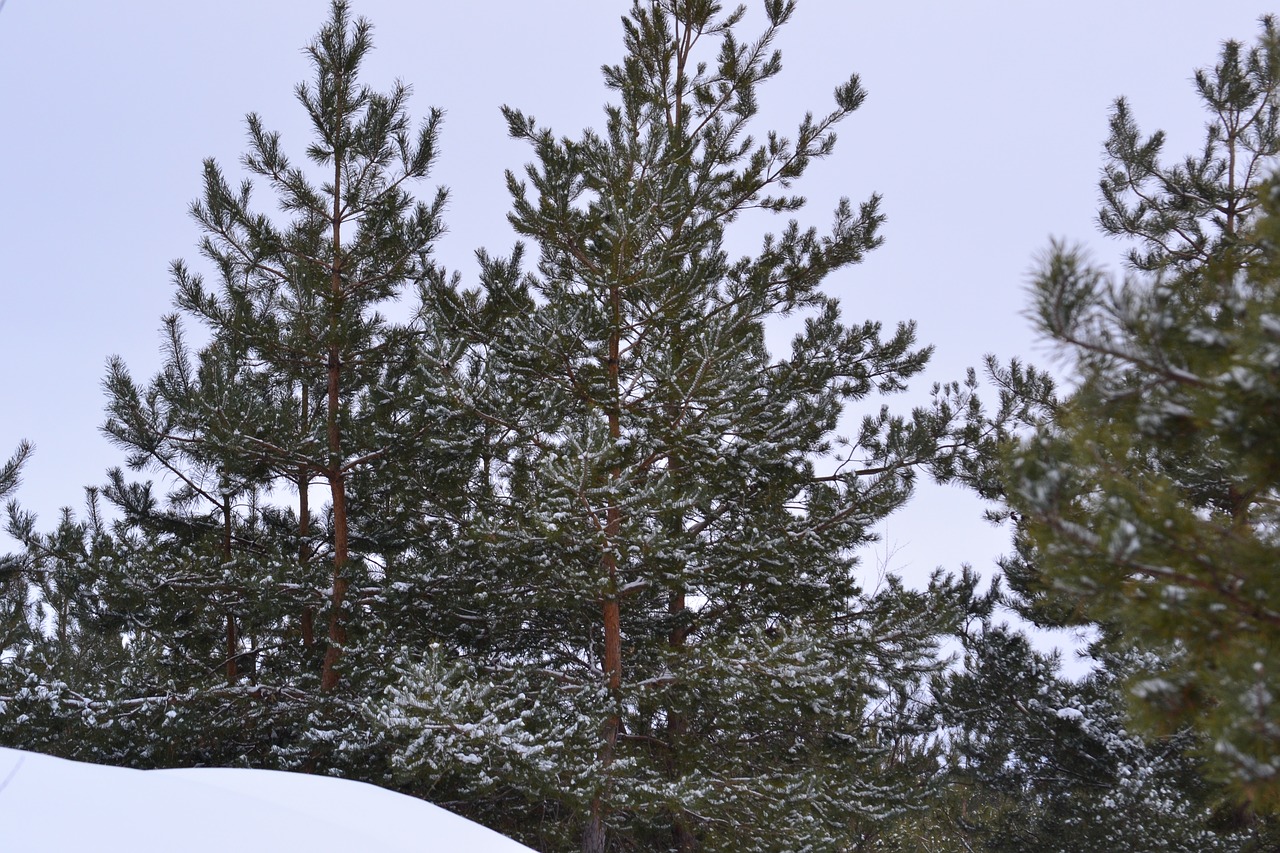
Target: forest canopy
(564,545)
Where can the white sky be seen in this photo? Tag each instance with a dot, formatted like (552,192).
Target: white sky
(983,130)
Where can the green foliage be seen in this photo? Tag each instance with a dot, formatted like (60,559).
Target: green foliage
(1187,213)
(195,612)
(1126,492)
(1152,498)
(303,379)
(590,565)
(1039,762)
(661,575)
(11,471)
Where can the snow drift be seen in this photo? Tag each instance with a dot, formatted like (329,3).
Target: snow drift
(51,804)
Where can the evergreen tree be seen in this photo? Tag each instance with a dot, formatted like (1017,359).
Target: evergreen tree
(197,605)
(1133,487)
(302,369)
(11,471)
(16,622)
(669,646)
(1181,217)
(1039,762)
(182,424)
(1192,223)
(1152,497)
(1185,214)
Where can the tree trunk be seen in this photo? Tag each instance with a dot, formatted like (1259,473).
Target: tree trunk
(338,491)
(681,833)
(613,514)
(232,652)
(233,641)
(304,556)
(337,477)
(304,524)
(594,836)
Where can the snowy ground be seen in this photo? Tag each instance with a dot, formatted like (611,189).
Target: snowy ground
(50,804)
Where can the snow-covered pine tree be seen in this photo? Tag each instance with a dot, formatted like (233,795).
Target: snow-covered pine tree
(1036,761)
(297,303)
(1181,217)
(185,425)
(204,598)
(1185,214)
(175,617)
(18,623)
(1124,428)
(1152,498)
(668,646)
(57,637)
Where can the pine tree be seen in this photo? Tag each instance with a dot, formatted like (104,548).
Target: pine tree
(1182,217)
(669,646)
(299,351)
(11,471)
(1039,762)
(16,618)
(182,425)
(1152,498)
(1192,224)
(1193,211)
(1146,495)
(198,603)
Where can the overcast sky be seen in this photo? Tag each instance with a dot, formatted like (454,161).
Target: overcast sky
(983,130)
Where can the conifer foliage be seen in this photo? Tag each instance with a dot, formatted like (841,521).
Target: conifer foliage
(1037,761)
(219,607)
(676,646)
(1162,521)
(1149,498)
(1186,213)
(303,380)
(588,564)
(15,611)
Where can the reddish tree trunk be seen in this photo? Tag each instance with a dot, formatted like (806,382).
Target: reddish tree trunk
(233,641)
(594,836)
(336,475)
(304,524)
(338,492)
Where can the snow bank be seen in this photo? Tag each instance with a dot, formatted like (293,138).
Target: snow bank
(50,804)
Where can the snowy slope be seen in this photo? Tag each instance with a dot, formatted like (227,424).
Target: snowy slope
(50,804)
